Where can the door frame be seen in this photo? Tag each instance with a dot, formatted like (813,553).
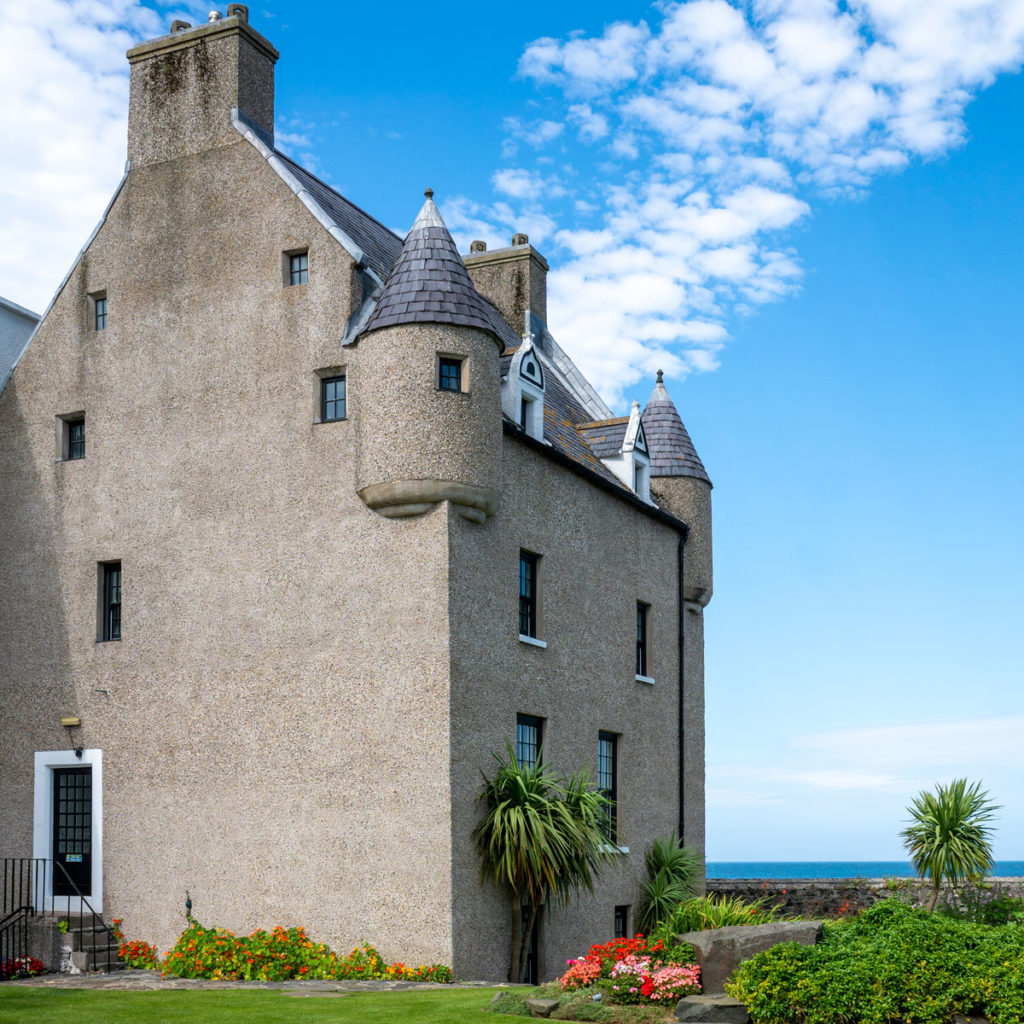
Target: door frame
(42,824)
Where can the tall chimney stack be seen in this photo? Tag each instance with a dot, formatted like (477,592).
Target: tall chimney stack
(184,86)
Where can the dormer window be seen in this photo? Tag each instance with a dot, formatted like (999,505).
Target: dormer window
(522,391)
(632,462)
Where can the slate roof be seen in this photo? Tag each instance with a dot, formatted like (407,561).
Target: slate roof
(605,437)
(380,244)
(672,452)
(429,282)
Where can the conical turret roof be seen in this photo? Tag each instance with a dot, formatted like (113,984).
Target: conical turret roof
(672,452)
(429,282)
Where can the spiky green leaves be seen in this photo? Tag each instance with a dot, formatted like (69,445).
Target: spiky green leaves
(949,834)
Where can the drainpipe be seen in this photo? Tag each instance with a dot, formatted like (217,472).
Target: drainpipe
(682,678)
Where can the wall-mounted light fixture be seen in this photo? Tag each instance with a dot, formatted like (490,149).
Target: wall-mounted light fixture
(72,722)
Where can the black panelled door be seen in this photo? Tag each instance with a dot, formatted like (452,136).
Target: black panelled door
(72,830)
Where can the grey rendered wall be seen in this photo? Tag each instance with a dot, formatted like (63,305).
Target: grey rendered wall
(599,556)
(274,722)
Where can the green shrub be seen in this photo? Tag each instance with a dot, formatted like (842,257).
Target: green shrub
(703,912)
(890,963)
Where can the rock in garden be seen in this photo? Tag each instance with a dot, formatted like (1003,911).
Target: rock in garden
(720,951)
(541,1007)
(712,1010)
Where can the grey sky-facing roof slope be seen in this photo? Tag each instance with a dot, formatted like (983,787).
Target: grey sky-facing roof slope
(429,282)
(672,451)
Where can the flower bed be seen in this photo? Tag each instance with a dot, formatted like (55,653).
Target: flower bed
(20,967)
(282,954)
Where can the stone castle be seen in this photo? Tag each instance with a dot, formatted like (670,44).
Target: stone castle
(300,524)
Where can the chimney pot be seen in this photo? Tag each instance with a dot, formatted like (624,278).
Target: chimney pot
(520,239)
(238,11)
(214,16)
(478,246)
(180,26)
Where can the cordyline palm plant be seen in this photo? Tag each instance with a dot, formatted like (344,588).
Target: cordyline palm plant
(540,837)
(672,871)
(949,834)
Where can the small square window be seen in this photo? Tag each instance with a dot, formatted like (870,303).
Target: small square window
(332,399)
(298,268)
(110,601)
(449,376)
(71,436)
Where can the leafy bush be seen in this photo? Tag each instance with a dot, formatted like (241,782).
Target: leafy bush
(890,963)
(280,955)
(703,912)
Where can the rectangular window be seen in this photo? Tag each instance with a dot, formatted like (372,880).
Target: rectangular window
(332,399)
(621,923)
(100,312)
(608,780)
(298,268)
(641,638)
(524,412)
(449,377)
(110,625)
(75,438)
(527,594)
(529,736)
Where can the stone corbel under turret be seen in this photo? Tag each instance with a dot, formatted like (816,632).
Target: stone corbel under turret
(414,497)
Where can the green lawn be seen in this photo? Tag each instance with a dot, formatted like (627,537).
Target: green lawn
(237,1006)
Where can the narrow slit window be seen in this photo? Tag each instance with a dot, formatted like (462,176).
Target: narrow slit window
(100,312)
(608,781)
(111,625)
(641,638)
(76,438)
(527,594)
(621,922)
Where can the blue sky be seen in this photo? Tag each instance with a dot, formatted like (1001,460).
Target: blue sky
(809,214)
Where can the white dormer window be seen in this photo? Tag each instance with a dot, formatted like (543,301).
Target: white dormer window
(632,462)
(522,391)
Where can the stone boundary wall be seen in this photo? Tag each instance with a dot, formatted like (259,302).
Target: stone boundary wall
(837,897)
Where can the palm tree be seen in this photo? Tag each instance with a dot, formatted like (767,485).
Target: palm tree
(540,836)
(949,834)
(672,871)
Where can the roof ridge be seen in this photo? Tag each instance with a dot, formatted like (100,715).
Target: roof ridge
(603,423)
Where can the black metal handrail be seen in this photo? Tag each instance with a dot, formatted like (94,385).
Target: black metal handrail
(27,890)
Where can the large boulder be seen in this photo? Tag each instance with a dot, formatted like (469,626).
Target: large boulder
(720,951)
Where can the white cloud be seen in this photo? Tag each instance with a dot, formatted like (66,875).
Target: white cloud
(719,125)
(63,122)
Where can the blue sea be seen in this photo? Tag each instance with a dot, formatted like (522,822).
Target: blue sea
(835,869)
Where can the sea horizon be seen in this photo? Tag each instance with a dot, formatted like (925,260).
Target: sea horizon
(771,869)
